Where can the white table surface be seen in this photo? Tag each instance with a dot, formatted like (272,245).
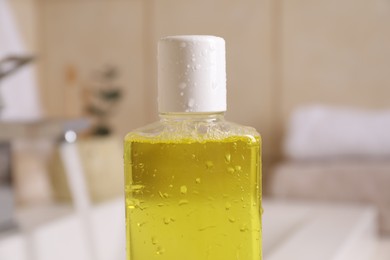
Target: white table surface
(308,231)
(291,231)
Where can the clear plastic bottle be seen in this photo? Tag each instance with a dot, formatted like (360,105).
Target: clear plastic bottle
(193,180)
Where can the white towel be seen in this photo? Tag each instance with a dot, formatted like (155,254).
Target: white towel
(320,132)
(18,91)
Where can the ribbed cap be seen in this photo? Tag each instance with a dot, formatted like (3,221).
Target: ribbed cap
(191,74)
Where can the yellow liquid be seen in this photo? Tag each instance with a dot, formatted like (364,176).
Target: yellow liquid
(193,200)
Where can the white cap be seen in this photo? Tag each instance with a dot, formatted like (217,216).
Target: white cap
(191,74)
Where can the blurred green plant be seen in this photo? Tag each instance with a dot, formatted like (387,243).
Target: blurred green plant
(103,99)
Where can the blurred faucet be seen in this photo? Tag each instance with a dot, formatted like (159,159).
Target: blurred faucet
(12,63)
(9,65)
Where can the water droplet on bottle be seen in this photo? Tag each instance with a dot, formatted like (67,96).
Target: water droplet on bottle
(232,220)
(160,250)
(206,227)
(183,44)
(188,66)
(228,205)
(197,180)
(183,189)
(227,158)
(133,203)
(209,164)
(167,220)
(230,170)
(183,202)
(154,241)
(137,188)
(198,66)
(140,224)
(237,168)
(244,228)
(163,195)
(181,94)
(170,186)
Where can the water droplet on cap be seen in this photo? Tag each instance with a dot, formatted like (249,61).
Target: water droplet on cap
(182,85)
(191,102)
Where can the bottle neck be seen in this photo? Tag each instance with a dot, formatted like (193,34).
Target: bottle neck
(206,117)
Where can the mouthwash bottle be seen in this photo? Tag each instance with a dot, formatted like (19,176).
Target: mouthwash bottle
(192,179)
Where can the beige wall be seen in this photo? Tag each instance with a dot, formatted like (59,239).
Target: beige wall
(335,52)
(281,54)
(26,13)
(86,35)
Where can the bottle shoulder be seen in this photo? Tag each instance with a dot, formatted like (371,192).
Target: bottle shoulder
(193,130)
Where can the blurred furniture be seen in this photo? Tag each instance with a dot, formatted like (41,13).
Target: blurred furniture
(102,166)
(29,144)
(6,193)
(291,230)
(8,66)
(338,155)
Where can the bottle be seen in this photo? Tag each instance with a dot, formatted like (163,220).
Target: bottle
(192,179)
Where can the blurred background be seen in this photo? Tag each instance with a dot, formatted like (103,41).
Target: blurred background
(313,77)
